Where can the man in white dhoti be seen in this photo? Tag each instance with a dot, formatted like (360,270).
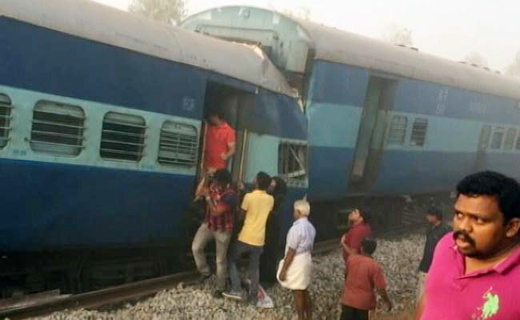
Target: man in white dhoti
(294,271)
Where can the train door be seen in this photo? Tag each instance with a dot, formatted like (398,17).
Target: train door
(236,106)
(483,142)
(379,100)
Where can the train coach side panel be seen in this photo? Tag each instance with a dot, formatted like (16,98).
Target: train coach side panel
(455,118)
(336,97)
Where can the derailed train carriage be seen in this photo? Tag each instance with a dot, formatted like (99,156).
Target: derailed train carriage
(384,122)
(101,114)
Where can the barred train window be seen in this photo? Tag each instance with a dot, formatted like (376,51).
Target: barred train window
(123,137)
(292,161)
(518,142)
(178,145)
(5,119)
(397,132)
(419,128)
(498,137)
(57,128)
(509,142)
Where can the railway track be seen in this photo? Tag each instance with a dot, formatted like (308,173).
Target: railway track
(114,295)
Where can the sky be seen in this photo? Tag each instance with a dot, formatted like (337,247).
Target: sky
(448,28)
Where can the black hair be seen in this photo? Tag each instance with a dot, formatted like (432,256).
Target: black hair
(369,246)
(281,186)
(217,113)
(488,183)
(222,177)
(436,212)
(263,180)
(363,212)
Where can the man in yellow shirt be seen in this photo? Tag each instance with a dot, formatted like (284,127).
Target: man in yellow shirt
(257,205)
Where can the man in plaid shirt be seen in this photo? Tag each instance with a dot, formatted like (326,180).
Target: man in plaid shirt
(221,203)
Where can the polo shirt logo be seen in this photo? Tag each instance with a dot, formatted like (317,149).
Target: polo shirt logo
(491,305)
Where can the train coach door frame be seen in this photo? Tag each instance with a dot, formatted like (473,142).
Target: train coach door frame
(380,97)
(236,105)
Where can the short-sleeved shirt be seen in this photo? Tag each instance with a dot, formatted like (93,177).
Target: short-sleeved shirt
(301,236)
(218,139)
(490,294)
(355,236)
(433,235)
(227,200)
(257,205)
(363,277)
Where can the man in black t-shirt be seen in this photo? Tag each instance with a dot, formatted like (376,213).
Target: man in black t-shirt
(435,232)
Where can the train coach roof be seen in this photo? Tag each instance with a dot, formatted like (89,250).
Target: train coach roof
(103,24)
(348,48)
(338,46)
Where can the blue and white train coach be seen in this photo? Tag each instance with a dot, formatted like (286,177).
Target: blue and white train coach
(100,132)
(384,120)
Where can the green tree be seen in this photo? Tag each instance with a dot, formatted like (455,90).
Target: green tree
(398,35)
(514,68)
(165,11)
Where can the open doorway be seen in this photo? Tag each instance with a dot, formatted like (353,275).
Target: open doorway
(237,107)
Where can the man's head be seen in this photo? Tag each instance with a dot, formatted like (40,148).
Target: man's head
(301,209)
(262,181)
(434,216)
(359,215)
(223,178)
(487,214)
(368,246)
(215,117)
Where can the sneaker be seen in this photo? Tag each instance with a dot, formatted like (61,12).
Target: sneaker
(235,295)
(217,294)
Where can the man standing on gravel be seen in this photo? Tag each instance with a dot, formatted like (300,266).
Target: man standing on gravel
(435,232)
(221,201)
(363,277)
(358,231)
(257,205)
(294,270)
(475,272)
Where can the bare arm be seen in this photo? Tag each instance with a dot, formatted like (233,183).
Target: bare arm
(287,263)
(386,299)
(232,149)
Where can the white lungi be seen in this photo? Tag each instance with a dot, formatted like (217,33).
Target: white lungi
(298,273)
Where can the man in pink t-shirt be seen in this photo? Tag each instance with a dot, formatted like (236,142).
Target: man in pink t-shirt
(475,273)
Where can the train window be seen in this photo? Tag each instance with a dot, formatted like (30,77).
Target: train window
(5,119)
(509,142)
(123,137)
(498,137)
(397,131)
(419,128)
(178,145)
(57,128)
(292,161)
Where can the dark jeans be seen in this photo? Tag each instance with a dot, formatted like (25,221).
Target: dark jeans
(237,249)
(350,313)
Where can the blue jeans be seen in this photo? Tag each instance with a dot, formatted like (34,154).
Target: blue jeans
(237,249)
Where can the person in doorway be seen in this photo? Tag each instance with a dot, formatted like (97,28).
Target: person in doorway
(364,276)
(475,273)
(294,271)
(256,205)
(221,202)
(220,142)
(358,231)
(435,232)
(273,245)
